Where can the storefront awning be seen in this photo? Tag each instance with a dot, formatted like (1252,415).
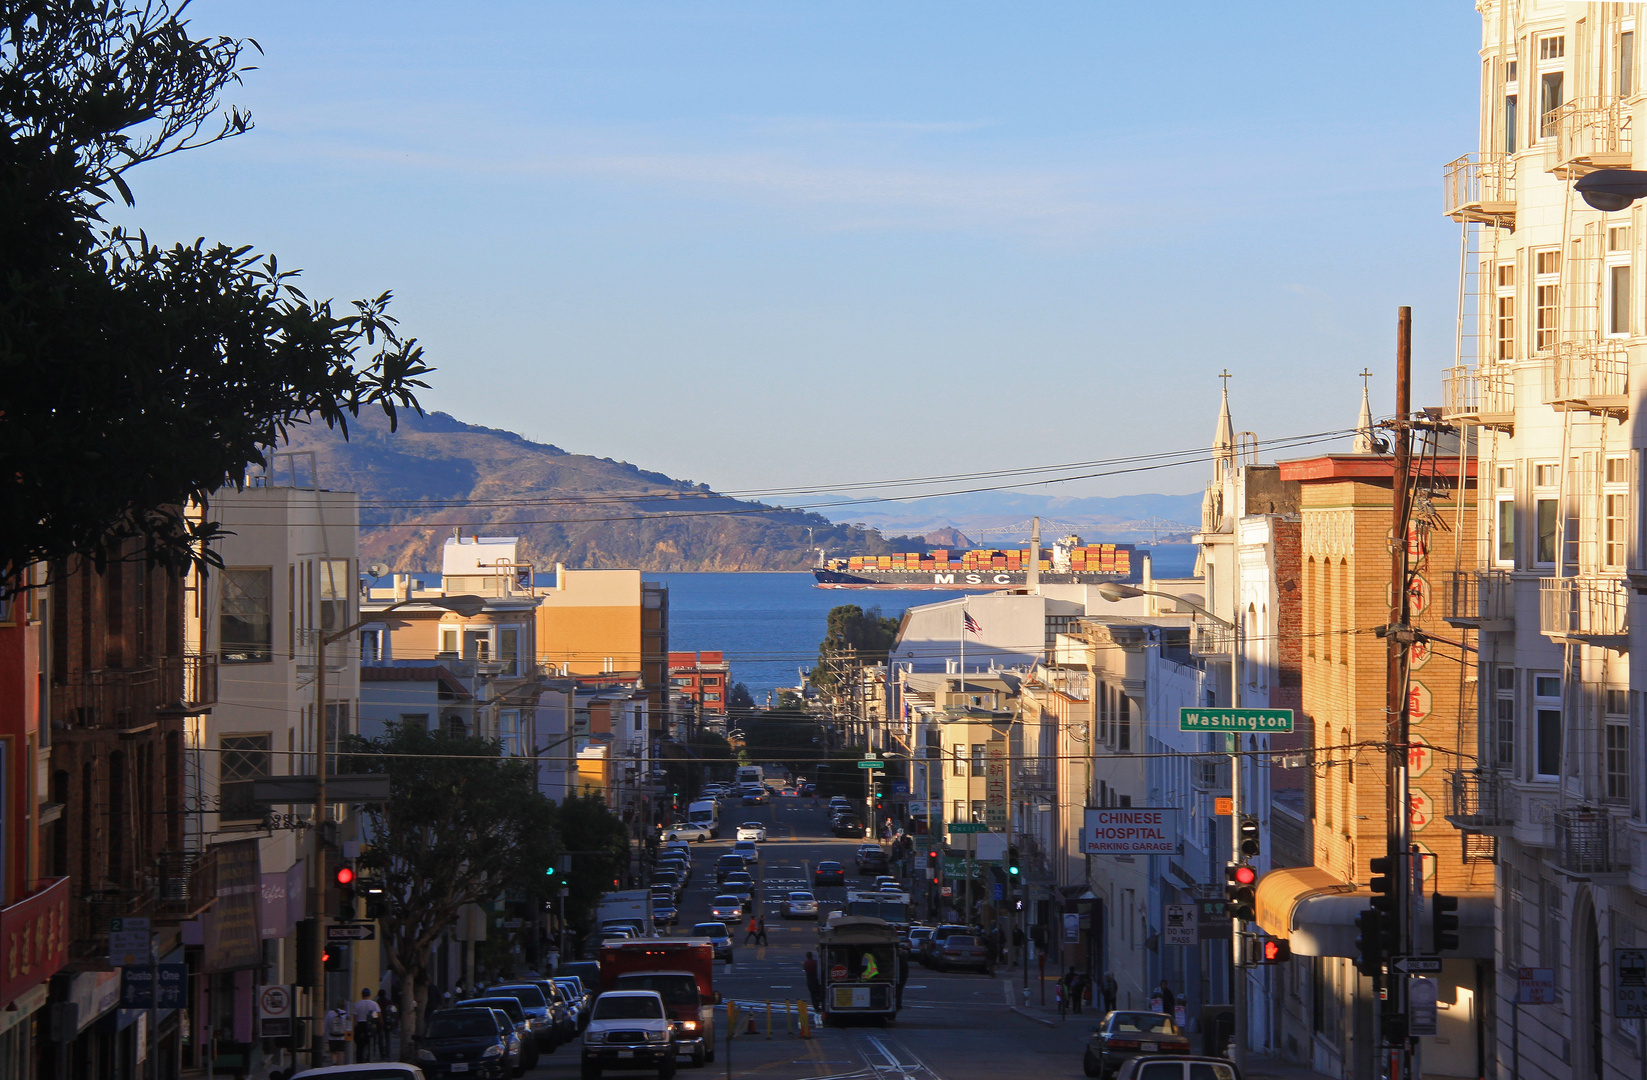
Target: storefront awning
(1316,913)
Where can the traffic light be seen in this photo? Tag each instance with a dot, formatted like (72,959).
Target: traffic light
(336,956)
(1238,891)
(345,878)
(1384,901)
(1274,951)
(934,867)
(1012,860)
(377,904)
(1369,947)
(308,941)
(1248,840)
(1444,930)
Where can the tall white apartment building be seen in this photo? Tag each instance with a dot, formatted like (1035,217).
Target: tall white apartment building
(1551,345)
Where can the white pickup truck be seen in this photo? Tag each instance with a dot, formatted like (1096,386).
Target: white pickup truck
(629,1029)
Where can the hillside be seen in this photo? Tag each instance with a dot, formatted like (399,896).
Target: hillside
(571,508)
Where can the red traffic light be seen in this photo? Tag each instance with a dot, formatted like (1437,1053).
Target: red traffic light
(345,876)
(932,854)
(1245,875)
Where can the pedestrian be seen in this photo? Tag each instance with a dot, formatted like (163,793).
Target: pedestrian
(1167,1000)
(760,937)
(1077,990)
(386,1016)
(337,1032)
(365,1014)
(903,973)
(752,932)
(814,986)
(1111,992)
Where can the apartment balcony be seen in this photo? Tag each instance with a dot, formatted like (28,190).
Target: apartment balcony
(1210,774)
(1585,842)
(1581,137)
(1482,396)
(1211,641)
(1589,375)
(1034,778)
(1481,187)
(1586,608)
(129,699)
(1478,801)
(1480,600)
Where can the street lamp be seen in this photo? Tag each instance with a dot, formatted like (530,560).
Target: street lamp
(464,605)
(1115,591)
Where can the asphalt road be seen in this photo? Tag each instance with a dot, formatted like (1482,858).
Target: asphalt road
(955,1026)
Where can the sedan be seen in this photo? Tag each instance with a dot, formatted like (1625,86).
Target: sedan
(743,890)
(684,831)
(829,873)
(1122,1035)
(800,905)
(887,883)
(664,912)
(752,830)
(1178,1067)
(754,797)
(746,850)
(726,908)
(786,793)
(480,1042)
(963,951)
(719,935)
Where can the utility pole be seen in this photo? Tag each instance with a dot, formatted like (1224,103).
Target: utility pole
(1398,640)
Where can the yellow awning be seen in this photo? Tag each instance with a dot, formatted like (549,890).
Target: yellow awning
(1279,892)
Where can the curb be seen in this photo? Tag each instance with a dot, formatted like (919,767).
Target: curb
(1027,1015)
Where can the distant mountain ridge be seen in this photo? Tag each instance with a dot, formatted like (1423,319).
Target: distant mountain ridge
(571,508)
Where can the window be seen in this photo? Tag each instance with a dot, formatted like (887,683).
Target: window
(1617,746)
(1615,527)
(1123,725)
(679,680)
(477,644)
(509,733)
(959,811)
(247,634)
(1618,306)
(1547,726)
(509,648)
(1546,314)
(711,680)
(978,759)
(977,810)
(1509,124)
(712,695)
(1506,327)
(960,761)
(418,720)
(449,641)
(1553,47)
(1504,732)
(1626,63)
(371,646)
(243,758)
(334,594)
(1618,238)
(1549,100)
(1505,521)
(1546,530)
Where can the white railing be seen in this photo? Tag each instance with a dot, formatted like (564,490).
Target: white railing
(1587,606)
(1480,187)
(1478,393)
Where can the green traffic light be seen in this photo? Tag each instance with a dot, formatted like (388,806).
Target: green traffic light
(550,872)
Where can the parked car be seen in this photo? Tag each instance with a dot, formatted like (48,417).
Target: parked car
(676,860)
(829,872)
(377,1070)
(478,1041)
(1178,1067)
(540,1012)
(729,864)
(800,905)
(746,850)
(751,830)
(577,998)
(717,933)
(964,951)
(560,1007)
(917,935)
(1124,1034)
(727,908)
(683,830)
(933,941)
(629,1030)
(517,1015)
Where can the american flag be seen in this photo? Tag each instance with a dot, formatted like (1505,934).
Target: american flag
(970,625)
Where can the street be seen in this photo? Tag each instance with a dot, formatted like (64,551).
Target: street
(957,1026)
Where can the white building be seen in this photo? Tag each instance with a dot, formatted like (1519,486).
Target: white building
(1550,372)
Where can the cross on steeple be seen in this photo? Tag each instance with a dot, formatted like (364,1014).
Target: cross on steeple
(1365,375)
(1225,375)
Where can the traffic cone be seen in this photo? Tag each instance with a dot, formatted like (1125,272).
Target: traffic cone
(751,1030)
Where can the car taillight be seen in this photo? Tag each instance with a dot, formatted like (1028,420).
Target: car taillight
(1124,1043)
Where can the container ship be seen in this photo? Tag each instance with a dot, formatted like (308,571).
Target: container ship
(1069,562)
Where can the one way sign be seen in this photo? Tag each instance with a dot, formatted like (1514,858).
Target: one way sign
(1417,965)
(352,932)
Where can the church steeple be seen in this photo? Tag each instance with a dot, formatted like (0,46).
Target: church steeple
(1363,424)
(1223,439)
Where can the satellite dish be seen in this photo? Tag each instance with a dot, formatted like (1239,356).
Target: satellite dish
(378,569)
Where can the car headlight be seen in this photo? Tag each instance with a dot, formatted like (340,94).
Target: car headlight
(689,1025)
(657,1036)
(493,1051)
(424,1055)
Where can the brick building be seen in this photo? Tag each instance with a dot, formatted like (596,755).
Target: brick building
(704,678)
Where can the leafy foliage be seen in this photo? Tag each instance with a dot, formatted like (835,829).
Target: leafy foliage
(853,637)
(137,378)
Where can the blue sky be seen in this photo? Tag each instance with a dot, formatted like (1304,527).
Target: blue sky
(754,244)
